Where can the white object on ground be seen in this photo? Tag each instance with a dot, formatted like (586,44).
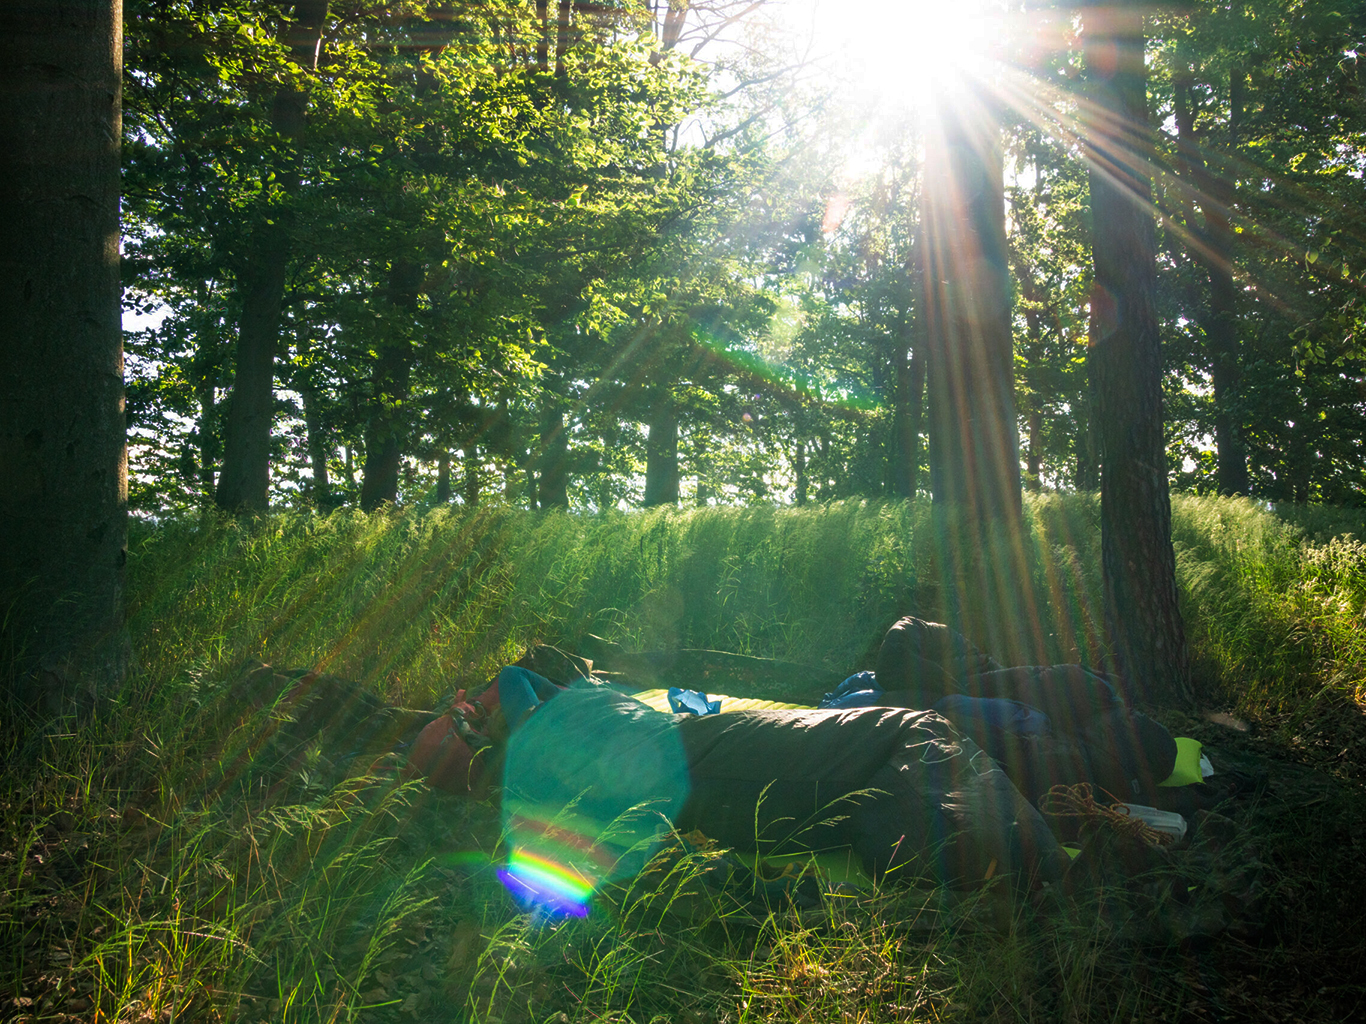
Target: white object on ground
(1206,769)
(1163,821)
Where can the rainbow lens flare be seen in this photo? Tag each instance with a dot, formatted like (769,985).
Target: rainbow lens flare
(551,886)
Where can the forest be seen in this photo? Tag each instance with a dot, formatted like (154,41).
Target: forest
(356,349)
(597,258)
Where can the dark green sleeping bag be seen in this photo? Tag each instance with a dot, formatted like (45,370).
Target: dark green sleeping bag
(774,782)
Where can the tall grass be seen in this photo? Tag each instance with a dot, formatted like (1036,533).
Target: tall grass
(413,604)
(150,869)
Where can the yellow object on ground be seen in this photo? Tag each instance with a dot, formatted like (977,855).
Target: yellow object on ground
(1187,770)
(659,700)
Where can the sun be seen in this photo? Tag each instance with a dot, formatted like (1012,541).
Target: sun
(906,53)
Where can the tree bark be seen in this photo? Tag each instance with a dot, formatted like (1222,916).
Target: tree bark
(385,431)
(318,448)
(1213,251)
(470,491)
(443,477)
(974,441)
(63,456)
(543,39)
(1087,477)
(563,38)
(552,485)
(244,482)
(206,369)
(661,454)
(910,389)
(1138,563)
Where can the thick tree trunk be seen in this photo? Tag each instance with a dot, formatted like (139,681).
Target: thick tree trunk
(661,454)
(974,440)
(1214,252)
(1138,564)
(63,458)
(385,431)
(244,483)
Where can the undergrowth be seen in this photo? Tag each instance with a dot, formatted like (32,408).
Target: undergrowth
(155,866)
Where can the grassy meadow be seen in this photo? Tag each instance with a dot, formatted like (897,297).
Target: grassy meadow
(155,867)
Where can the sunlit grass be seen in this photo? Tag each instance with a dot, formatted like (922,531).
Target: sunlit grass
(165,862)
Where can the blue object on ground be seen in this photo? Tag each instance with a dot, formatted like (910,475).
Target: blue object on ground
(693,702)
(997,713)
(858,691)
(521,691)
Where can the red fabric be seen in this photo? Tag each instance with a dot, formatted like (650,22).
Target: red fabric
(442,756)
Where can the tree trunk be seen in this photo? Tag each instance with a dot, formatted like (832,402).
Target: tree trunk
(909,389)
(1213,251)
(443,478)
(974,439)
(1033,307)
(974,442)
(385,431)
(661,454)
(318,451)
(1138,563)
(799,470)
(471,488)
(206,368)
(1087,477)
(349,467)
(1033,456)
(311,395)
(562,36)
(244,482)
(543,38)
(63,457)
(552,485)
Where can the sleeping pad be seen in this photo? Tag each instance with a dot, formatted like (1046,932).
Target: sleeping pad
(593,779)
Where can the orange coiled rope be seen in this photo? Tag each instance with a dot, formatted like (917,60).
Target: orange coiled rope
(1079,802)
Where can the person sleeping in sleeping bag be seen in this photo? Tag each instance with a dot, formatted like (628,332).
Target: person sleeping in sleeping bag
(596,778)
(1046,724)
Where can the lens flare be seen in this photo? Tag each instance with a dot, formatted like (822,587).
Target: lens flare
(550,886)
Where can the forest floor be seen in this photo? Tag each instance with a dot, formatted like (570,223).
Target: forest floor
(438,939)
